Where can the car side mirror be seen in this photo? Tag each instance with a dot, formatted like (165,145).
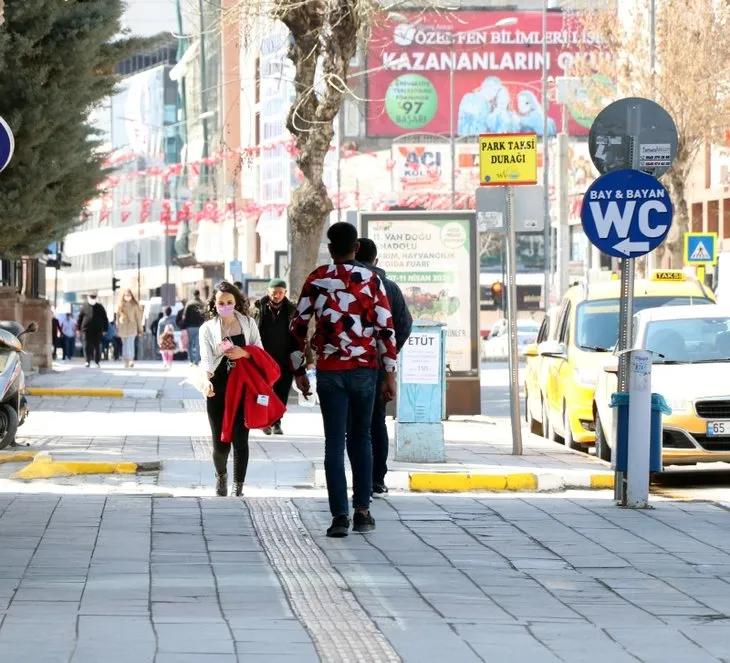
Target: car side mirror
(531,350)
(611,365)
(553,349)
(31,328)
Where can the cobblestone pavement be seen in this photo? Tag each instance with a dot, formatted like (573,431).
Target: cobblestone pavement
(114,579)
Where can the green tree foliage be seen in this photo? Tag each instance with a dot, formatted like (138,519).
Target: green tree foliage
(57,62)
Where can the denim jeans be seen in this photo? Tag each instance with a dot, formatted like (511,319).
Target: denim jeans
(340,393)
(194,344)
(128,347)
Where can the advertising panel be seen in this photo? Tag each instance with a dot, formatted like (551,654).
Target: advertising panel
(422,167)
(497,72)
(432,257)
(138,112)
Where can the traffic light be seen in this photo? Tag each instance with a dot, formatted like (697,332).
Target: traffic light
(115,284)
(498,294)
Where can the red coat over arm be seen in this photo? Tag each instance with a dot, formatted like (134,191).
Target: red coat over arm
(255,378)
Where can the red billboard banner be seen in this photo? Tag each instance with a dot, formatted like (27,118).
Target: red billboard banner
(497,63)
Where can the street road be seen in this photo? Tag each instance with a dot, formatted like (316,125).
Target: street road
(705,482)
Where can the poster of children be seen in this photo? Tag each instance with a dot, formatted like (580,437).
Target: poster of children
(494,108)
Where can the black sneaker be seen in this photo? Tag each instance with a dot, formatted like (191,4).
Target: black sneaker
(340,527)
(363,522)
(380,490)
(277,429)
(267,430)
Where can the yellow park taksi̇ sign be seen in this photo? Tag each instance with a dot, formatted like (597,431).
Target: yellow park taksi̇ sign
(506,159)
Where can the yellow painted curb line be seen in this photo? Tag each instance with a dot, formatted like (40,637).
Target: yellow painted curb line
(602,481)
(459,482)
(17,456)
(102,393)
(44,467)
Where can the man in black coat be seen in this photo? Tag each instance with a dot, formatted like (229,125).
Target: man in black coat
(92,325)
(402,323)
(272,313)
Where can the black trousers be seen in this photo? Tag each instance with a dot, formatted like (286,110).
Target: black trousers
(378,434)
(282,387)
(221,450)
(92,347)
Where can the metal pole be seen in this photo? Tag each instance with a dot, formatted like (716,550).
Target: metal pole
(340,129)
(650,258)
(545,159)
(514,387)
(203,105)
(626,329)
(452,137)
(563,228)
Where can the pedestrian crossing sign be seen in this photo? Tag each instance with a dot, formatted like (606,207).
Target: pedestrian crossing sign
(700,249)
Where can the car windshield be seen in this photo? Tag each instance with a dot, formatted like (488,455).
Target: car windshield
(596,326)
(697,340)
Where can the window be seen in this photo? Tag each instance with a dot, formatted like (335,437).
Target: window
(544,328)
(565,326)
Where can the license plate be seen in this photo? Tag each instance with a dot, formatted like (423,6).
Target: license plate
(718,428)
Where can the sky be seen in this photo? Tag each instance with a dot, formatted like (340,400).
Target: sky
(148,17)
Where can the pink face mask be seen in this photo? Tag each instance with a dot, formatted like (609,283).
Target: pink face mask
(225,309)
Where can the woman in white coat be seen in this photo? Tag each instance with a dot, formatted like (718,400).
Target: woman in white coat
(222,341)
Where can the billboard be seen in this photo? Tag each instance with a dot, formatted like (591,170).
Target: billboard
(432,257)
(497,72)
(138,112)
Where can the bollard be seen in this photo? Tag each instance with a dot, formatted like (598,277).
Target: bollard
(421,395)
(637,482)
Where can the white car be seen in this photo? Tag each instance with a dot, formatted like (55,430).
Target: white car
(690,370)
(497,343)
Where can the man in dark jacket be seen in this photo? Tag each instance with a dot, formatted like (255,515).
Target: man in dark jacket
(402,323)
(272,313)
(93,324)
(193,319)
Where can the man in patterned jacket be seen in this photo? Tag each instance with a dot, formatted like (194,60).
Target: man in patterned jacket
(354,338)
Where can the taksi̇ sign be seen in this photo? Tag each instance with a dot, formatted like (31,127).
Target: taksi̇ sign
(507,159)
(700,249)
(626,213)
(7,144)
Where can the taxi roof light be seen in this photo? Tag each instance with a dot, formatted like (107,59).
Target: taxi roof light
(674,275)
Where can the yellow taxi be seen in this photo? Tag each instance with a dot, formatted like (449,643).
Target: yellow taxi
(587,329)
(689,368)
(536,372)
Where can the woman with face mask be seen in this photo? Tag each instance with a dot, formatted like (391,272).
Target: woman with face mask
(222,341)
(129,325)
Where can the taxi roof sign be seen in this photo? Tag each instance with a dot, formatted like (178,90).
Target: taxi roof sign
(507,159)
(668,275)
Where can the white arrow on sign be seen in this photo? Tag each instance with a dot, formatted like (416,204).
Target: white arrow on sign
(627,247)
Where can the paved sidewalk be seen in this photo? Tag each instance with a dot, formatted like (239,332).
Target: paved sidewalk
(538,579)
(174,429)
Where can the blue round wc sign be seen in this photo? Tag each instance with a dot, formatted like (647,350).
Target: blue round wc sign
(626,213)
(7,144)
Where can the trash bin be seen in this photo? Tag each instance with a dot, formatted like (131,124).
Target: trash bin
(659,406)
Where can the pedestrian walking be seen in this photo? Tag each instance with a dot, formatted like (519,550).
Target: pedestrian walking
(68,329)
(129,325)
(57,336)
(353,338)
(167,319)
(93,323)
(273,313)
(222,341)
(367,254)
(108,350)
(167,344)
(193,319)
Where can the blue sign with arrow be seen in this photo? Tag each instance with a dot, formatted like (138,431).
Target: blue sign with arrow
(626,213)
(7,144)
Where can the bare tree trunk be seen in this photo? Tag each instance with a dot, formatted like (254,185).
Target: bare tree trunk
(675,242)
(324,40)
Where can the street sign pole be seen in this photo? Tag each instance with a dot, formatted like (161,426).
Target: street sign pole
(514,386)
(626,330)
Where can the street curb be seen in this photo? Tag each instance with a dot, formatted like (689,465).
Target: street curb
(93,392)
(17,456)
(44,467)
(506,482)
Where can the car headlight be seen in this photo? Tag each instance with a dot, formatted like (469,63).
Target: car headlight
(585,379)
(678,404)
